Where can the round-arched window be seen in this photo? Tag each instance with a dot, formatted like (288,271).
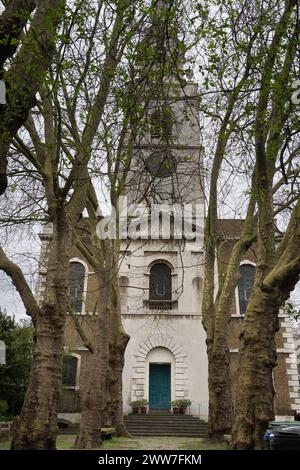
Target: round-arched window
(160,284)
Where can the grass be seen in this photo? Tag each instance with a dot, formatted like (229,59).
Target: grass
(203,444)
(66,441)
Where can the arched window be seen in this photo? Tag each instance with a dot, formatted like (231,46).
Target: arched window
(76,286)
(69,372)
(160,286)
(245,285)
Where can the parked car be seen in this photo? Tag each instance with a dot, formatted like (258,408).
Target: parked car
(285,438)
(275,425)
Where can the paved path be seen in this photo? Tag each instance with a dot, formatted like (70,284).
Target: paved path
(161,443)
(156,443)
(142,443)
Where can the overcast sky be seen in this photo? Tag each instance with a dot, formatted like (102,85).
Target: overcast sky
(23,247)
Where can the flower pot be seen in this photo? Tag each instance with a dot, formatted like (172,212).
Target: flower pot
(175,410)
(135,410)
(182,410)
(143,410)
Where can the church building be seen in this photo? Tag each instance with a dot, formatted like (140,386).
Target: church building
(161,276)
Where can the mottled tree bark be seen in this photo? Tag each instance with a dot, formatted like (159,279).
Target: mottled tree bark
(37,425)
(102,403)
(26,75)
(257,353)
(94,396)
(118,342)
(216,308)
(12,22)
(257,358)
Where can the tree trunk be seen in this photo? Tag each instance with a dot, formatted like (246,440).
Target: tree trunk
(102,404)
(37,426)
(257,358)
(116,364)
(118,342)
(94,396)
(220,407)
(220,403)
(25,76)
(220,393)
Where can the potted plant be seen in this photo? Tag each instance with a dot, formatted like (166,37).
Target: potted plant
(135,405)
(143,406)
(176,406)
(183,405)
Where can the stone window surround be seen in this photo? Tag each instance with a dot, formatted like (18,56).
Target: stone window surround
(146,273)
(86,275)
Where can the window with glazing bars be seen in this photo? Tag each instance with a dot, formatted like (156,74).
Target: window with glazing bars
(76,286)
(245,285)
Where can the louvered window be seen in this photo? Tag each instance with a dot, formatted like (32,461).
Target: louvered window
(161,124)
(156,124)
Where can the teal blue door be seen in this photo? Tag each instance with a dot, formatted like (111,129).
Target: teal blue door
(159,386)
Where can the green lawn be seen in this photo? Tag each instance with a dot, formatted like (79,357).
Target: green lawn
(65,442)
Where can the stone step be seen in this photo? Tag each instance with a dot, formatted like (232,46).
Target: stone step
(149,422)
(160,423)
(196,428)
(165,425)
(169,434)
(172,423)
(163,420)
(163,417)
(149,425)
(156,426)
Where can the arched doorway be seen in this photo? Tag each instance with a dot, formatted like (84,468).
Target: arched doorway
(161,377)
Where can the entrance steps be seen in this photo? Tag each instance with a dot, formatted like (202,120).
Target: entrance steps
(158,423)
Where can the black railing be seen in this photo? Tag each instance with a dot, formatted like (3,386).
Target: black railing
(160,304)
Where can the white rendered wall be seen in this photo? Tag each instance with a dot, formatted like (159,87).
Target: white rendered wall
(184,338)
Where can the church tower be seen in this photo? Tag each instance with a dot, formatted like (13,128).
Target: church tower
(161,274)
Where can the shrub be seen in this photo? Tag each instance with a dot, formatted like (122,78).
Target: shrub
(3,407)
(135,404)
(143,402)
(184,403)
(175,403)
